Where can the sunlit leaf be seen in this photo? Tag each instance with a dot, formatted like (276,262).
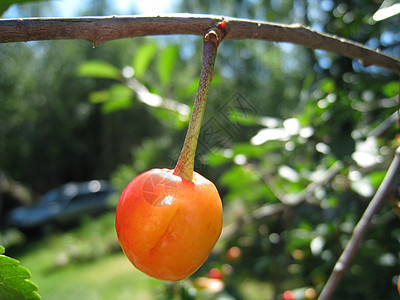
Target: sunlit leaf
(3,9)
(14,280)
(299,238)
(117,97)
(219,157)
(376,177)
(367,152)
(363,187)
(98,69)
(99,96)
(5,4)
(189,90)
(391,89)
(244,184)
(317,245)
(329,202)
(167,62)
(116,105)
(142,58)
(327,85)
(120,91)
(115,92)
(249,150)
(239,117)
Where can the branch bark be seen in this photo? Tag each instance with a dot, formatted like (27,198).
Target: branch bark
(102,29)
(361,228)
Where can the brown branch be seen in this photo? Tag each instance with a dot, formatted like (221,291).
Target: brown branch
(361,228)
(101,29)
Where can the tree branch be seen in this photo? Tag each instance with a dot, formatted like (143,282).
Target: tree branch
(101,29)
(361,228)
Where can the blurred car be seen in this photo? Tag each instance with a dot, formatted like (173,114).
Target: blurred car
(64,205)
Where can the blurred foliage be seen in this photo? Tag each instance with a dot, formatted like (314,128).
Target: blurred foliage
(5,4)
(280,118)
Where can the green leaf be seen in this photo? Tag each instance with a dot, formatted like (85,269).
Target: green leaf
(236,116)
(252,151)
(167,62)
(298,239)
(391,89)
(116,105)
(99,96)
(98,69)
(327,85)
(376,177)
(115,92)
(189,90)
(117,97)
(244,184)
(5,4)
(218,157)
(248,150)
(3,9)
(14,280)
(142,58)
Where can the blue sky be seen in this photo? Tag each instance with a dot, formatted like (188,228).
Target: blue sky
(71,8)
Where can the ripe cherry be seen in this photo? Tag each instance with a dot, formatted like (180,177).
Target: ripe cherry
(168,221)
(168,225)
(398,284)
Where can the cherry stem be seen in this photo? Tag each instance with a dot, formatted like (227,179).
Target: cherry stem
(185,165)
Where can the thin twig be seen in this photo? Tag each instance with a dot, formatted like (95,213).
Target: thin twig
(101,29)
(297,199)
(361,228)
(259,213)
(145,96)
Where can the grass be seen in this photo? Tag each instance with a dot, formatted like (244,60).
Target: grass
(111,277)
(85,263)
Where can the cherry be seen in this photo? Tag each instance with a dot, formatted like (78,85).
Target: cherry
(398,284)
(168,225)
(168,221)
(310,294)
(215,273)
(288,295)
(233,253)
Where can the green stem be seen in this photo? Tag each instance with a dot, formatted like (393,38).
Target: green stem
(185,165)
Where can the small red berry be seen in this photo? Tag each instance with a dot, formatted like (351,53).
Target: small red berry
(233,253)
(216,273)
(288,295)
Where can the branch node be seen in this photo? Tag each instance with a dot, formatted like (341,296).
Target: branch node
(216,33)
